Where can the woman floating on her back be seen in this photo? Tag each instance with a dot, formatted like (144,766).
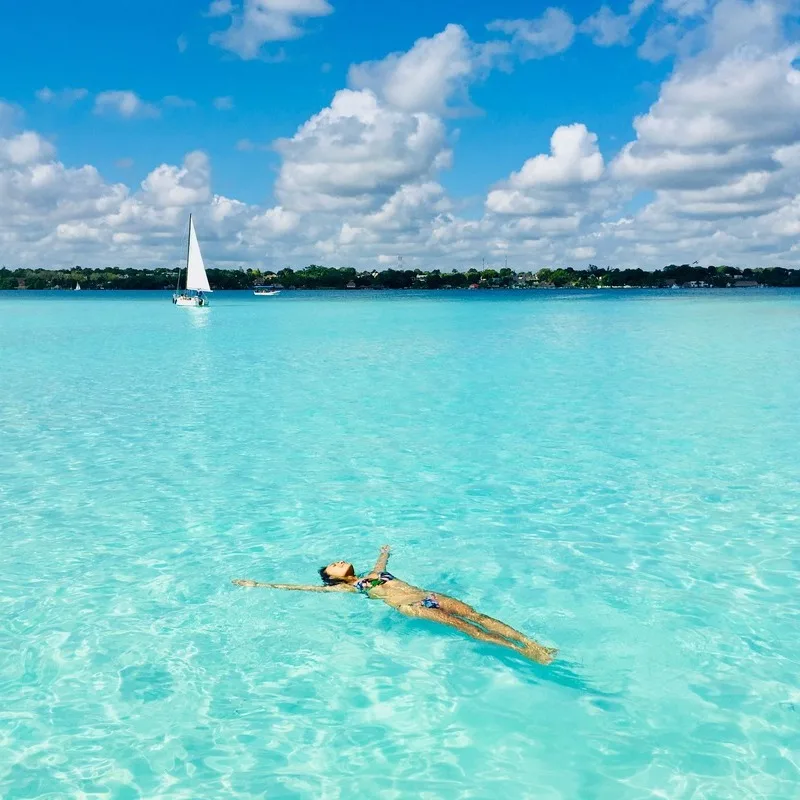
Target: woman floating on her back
(413,602)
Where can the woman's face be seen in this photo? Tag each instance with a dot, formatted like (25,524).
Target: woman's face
(340,570)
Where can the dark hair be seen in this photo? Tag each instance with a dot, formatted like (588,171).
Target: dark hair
(327,579)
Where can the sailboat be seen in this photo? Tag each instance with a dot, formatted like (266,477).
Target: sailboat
(194,295)
(77,287)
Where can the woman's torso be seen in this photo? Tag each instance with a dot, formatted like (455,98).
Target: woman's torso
(392,591)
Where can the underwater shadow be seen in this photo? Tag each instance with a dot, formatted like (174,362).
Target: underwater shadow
(561,673)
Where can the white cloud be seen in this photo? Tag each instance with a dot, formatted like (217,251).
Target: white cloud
(8,115)
(607,28)
(729,113)
(574,159)
(125,104)
(661,41)
(25,148)
(77,232)
(711,28)
(356,153)
(685,8)
(53,214)
(409,208)
(555,201)
(63,97)
(262,21)
(182,43)
(425,77)
(638,7)
(226,208)
(719,144)
(38,196)
(714,164)
(223,103)
(170,186)
(551,33)
(273,222)
(655,168)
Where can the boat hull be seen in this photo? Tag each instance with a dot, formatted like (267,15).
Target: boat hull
(190,301)
(270,293)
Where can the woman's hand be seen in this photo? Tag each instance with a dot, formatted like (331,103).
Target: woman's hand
(380,565)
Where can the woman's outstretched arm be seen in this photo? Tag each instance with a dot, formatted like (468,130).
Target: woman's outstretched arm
(293,587)
(383,559)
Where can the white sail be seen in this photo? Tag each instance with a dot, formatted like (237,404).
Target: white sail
(77,287)
(196,277)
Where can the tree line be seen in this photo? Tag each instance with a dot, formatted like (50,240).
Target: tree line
(319,277)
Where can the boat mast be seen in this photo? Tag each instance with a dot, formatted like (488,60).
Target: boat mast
(188,246)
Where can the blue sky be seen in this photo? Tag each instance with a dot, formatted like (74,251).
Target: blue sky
(525,76)
(135,46)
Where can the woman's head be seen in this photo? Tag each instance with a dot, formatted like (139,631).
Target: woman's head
(337,572)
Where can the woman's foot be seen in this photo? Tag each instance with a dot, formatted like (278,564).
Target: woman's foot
(539,654)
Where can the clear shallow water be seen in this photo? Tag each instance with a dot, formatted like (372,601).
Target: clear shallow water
(614,473)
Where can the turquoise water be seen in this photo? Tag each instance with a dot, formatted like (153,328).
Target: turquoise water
(615,473)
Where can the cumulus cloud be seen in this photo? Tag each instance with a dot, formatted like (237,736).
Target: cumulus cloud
(554,196)
(574,159)
(54,214)
(258,22)
(25,148)
(547,35)
(39,195)
(170,186)
(356,153)
(718,145)
(714,165)
(424,78)
(728,115)
(272,223)
(124,104)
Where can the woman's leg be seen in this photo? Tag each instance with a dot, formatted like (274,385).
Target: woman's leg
(453,606)
(442,617)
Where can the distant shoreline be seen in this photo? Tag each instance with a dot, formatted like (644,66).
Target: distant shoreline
(26,289)
(316,278)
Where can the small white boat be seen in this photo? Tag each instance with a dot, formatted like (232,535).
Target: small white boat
(194,295)
(265,291)
(77,287)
